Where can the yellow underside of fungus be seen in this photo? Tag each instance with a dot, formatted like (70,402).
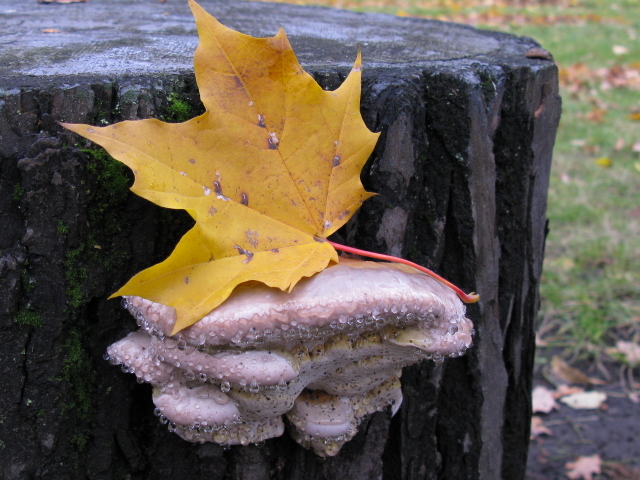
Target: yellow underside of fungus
(324,355)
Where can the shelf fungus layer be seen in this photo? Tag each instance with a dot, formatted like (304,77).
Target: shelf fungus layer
(324,355)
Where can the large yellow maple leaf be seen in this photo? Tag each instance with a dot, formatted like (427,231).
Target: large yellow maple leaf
(269,171)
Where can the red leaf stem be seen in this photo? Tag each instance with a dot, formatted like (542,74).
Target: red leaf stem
(465,297)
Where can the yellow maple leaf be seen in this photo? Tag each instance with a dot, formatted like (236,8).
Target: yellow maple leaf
(269,171)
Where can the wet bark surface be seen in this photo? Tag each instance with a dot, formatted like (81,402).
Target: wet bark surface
(461,170)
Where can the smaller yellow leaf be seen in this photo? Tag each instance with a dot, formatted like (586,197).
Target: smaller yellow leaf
(635,116)
(604,162)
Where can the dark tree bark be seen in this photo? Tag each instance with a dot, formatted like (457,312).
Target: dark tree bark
(468,121)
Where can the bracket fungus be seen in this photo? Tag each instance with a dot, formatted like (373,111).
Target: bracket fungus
(324,355)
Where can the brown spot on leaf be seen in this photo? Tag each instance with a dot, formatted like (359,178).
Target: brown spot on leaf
(346,213)
(252,237)
(273,141)
(242,251)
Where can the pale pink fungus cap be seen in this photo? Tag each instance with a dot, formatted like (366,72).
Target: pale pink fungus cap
(325,354)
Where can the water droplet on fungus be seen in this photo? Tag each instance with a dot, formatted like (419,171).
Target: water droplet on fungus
(254,387)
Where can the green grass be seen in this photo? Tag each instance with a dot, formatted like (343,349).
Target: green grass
(591,282)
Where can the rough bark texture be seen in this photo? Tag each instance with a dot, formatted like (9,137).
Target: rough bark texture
(468,123)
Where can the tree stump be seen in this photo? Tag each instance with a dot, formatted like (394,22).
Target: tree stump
(468,121)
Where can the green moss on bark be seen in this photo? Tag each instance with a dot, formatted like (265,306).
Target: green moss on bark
(28,318)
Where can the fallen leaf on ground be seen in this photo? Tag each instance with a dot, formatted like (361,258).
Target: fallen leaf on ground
(596,115)
(585,400)
(629,352)
(564,390)
(540,342)
(584,468)
(579,78)
(603,162)
(619,50)
(538,428)
(564,373)
(543,401)
(269,171)
(591,149)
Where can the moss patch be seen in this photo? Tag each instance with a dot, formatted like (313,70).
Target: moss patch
(178,109)
(76,275)
(18,193)
(28,318)
(89,264)
(109,190)
(62,228)
(79,373)
(28,284)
